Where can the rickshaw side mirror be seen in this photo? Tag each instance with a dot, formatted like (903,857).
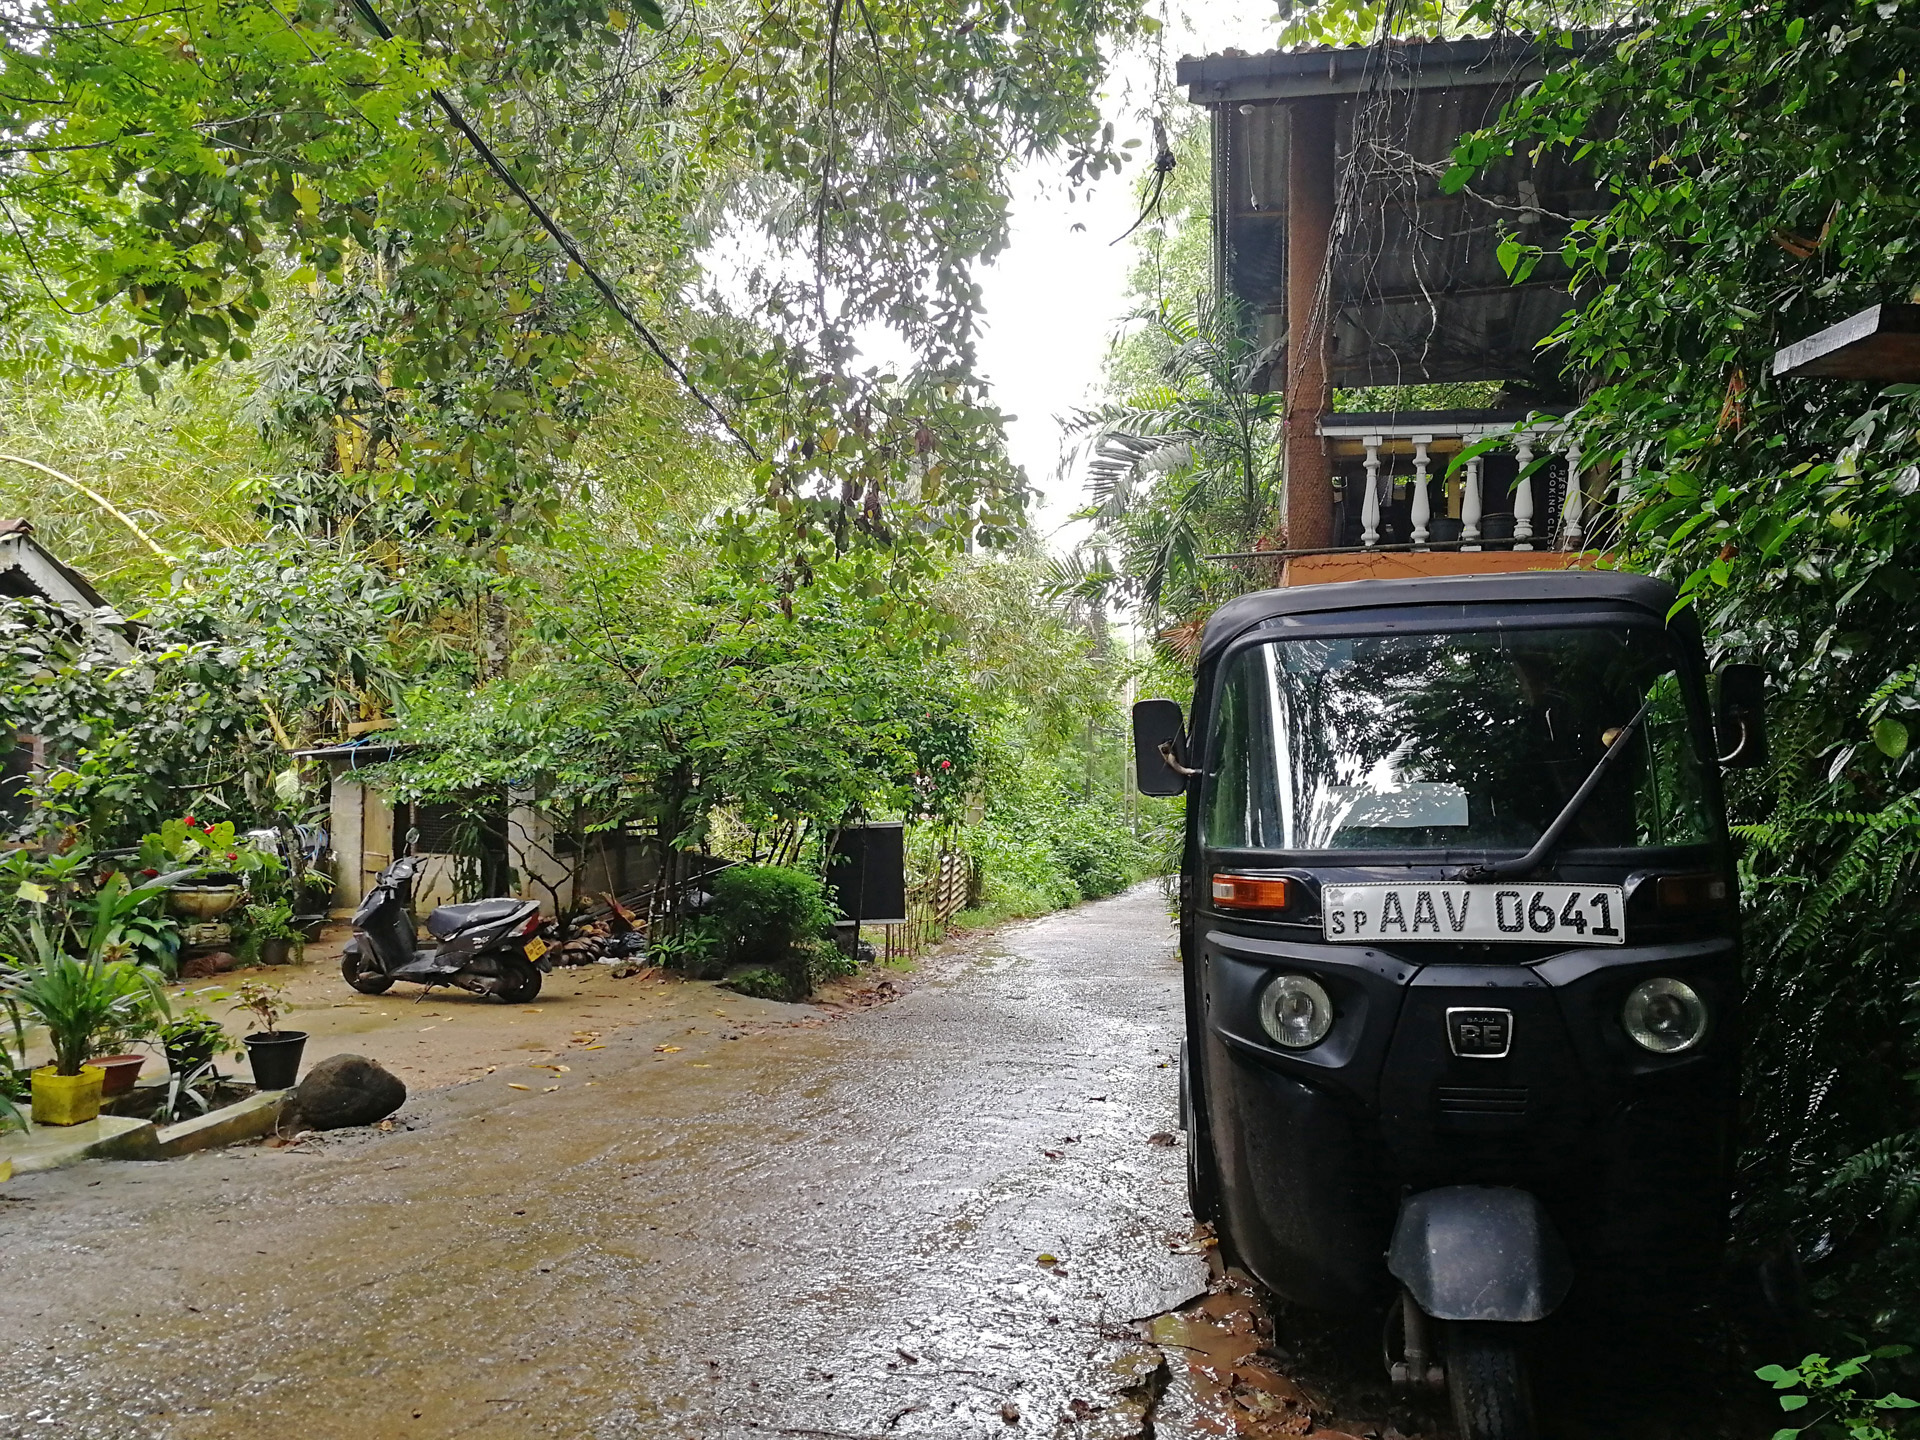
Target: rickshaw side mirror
(1743,717)
(1159,747)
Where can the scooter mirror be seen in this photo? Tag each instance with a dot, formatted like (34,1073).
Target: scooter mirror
(1159,747)
(1743,716)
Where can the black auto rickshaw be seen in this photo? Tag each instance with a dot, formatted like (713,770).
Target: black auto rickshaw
(1459,924)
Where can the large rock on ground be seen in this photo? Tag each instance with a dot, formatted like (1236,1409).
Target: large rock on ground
(343,1090)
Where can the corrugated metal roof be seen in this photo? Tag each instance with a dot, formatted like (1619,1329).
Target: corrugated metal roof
(1406,62)
(1417,292)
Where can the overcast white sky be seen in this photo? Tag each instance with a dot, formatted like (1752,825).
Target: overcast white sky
(1056,295)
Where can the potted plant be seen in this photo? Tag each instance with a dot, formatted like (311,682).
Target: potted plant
(78,997)
(13,1073)
(275,1053)
(271,934)
(226,862)
(136,1024)
(194,1037)
(75,999)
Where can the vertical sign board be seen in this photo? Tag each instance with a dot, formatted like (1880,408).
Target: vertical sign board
(867,872)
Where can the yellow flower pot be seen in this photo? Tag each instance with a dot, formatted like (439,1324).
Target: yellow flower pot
(66,1099)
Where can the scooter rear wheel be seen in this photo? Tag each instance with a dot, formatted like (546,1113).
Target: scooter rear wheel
(1488,1383)
(367,982)
(519,982)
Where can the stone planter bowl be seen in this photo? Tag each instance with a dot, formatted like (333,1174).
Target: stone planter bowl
(202,902)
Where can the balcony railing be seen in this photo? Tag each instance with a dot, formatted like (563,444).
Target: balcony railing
(1382,444)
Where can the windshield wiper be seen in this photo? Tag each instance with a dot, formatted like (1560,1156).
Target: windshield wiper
(1550,837)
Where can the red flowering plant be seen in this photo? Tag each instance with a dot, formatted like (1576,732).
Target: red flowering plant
(221,855)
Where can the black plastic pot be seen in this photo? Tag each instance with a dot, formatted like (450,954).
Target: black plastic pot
(184,1059)
(276,1058)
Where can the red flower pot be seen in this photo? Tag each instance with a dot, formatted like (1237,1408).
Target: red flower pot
(121,1072)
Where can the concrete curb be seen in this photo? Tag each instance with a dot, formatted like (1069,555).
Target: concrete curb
(111,1137)
(121,1137)
(248,1120)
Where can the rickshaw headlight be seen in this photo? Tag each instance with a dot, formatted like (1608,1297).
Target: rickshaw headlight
(1664,1016)
(1295,1011)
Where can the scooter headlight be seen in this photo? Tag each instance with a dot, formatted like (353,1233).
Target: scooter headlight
(1295,1011)
(1664,1016)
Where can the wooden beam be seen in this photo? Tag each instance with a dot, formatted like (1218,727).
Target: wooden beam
(1882,342)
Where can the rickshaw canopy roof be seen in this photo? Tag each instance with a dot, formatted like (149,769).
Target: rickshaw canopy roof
(1551,587)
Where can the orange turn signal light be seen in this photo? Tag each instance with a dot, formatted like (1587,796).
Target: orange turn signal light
(1251,892)
(1690,892)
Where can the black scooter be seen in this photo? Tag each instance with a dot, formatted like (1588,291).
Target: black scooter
(490,947)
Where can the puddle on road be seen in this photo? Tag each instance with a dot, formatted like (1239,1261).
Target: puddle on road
(1223,1373)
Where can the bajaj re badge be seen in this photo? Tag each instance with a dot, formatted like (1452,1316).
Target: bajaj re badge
(1478,1034)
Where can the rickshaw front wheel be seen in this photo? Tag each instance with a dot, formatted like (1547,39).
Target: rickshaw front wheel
(1202,1196)
(1487,1382)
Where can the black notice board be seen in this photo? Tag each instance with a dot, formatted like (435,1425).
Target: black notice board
(867,872)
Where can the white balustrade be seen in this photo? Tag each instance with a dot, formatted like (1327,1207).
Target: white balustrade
(1422,501)
(1543,435)
(1523,493)
(1370,499)
(1623,492)
(1470,499)
(1573,513)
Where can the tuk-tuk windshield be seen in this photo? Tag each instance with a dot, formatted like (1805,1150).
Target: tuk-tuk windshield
(1470,739)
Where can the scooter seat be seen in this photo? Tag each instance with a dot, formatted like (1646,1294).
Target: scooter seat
(449,920)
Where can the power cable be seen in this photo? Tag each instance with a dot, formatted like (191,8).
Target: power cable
(566,242)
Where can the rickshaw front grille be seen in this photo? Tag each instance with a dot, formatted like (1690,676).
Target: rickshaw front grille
(1482,1099)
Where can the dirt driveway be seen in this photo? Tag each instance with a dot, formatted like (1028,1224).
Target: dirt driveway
(432,1040)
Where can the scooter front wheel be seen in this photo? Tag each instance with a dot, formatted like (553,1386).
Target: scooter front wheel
(367,982)
(1488,1383)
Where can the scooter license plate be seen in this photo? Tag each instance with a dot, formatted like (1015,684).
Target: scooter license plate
(1535,914)
(536,947)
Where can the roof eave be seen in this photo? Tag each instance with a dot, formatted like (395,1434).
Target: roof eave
(1352,70)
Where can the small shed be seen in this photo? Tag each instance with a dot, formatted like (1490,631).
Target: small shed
(492,844)
(29,571)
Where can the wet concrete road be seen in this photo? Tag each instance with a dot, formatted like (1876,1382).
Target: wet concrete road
(831,1231)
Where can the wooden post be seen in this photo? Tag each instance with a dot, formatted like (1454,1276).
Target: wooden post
(1310,199)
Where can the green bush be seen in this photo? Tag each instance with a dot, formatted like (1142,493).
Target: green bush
(776,920)
(1041,849)
(1097,850)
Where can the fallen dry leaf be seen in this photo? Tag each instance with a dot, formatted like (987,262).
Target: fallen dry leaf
(668,1049)
(513,1086)
(1163,1137)
(1010,1413)
(1047,1261)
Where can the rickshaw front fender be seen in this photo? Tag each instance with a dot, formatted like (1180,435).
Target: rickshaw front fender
(1480,1252)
